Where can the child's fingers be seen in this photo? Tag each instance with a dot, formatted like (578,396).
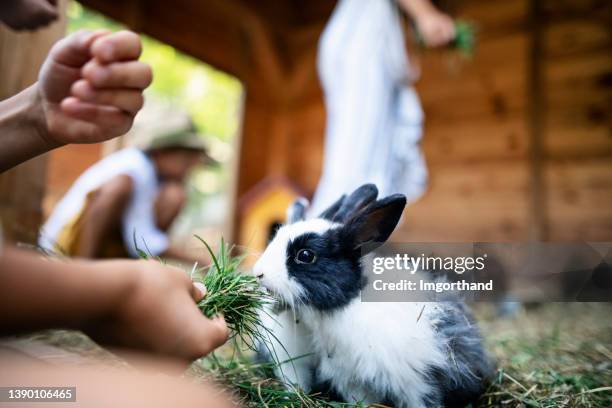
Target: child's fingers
(132,74)
(111,121)
(91,112)
(223,331)
(449,31)
(199,291)
(128,100)
(204,335)
(120,46)
(73,50)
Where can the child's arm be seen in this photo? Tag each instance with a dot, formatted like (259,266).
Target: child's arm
(138,304)
(435,27)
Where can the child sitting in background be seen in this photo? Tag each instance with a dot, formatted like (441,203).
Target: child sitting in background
(128,201)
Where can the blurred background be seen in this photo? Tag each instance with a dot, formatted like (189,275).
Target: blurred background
(517,138)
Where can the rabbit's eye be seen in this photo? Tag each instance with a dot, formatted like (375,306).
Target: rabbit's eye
(305,256)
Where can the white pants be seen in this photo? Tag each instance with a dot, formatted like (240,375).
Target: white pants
(374,118)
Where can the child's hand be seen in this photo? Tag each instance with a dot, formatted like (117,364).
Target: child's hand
(436,28)
(90,87)
(158,313)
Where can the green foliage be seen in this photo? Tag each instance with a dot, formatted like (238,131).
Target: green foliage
(253,385)
(558,356)
(465,38)
(236,295)
(229,292)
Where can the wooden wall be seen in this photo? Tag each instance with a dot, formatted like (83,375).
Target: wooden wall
(518,140)
(22,188)
(476,137)
(577,131)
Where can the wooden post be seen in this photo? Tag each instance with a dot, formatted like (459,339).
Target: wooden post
(535,112)
(22,188)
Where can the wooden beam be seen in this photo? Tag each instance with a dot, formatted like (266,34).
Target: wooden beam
(230,35)
(206,34)
(536,111)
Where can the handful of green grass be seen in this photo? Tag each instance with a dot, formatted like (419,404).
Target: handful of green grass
(465,38)
(464,41)
(235,295)
(230,292)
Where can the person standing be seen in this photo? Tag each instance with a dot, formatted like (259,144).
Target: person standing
(374,118)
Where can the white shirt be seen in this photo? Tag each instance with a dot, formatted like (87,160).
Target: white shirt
(138,221)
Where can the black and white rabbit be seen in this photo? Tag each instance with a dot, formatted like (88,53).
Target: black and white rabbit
(402,354)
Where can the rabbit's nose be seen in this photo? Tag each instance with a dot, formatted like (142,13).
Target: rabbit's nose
(257,272)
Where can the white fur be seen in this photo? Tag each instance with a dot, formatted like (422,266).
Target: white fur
(370,350)
(290,347)
(366,350)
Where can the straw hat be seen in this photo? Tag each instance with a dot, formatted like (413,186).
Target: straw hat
(158,126)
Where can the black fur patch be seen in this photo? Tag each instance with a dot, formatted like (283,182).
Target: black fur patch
(330,213)
(334,278)
(470,367)
(375,223)
(326,391)
(357,201)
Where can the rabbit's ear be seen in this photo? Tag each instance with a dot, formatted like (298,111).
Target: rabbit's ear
(375,223)
(358,200)
(330,213)
(297,211)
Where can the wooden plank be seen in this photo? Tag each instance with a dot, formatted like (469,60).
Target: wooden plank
(491,85)
(535,123)
(306,145)
(254,151)
(506,54)
(579,197)
(567,141)
(494,16)
(592,68)
(578,100)
(558,10)
(491,100)
(477,83)
(484,201)
(576,37)
(221,33)
(580,84)
(468,141)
